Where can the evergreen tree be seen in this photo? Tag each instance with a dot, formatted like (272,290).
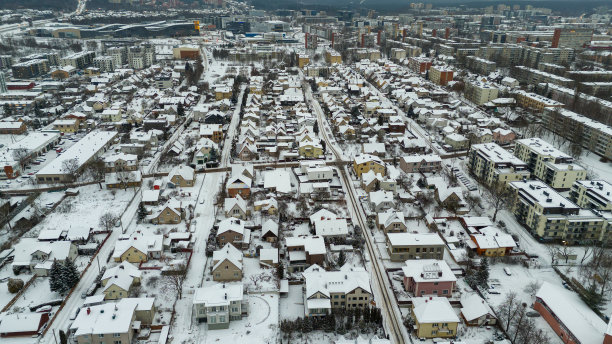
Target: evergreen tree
(482,275)
(315,128)
(55,282)
(142,212)
(63,337)
(341,259)
(180,110)
(70,274)
(593,298)
(214,155)
(280,271)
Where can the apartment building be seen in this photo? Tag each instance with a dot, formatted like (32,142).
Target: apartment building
(325,291)
(219,303)
(119,55)
(531,76)
(535,101)
(30,69)
(480,92)
(493,164)
(80,60)
(419,64)
(480,65)
(403,246)
(551,165)
(105,63)
(551,217)
(574,38)
(142,56)
(440,75)
(592,194)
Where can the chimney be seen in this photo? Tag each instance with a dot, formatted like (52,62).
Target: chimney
(88,310)
(431,298)
(225,296)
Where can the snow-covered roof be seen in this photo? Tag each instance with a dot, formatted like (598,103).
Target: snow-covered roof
(270,254)
(364,158)
(433,309)
(231,224)
(230,203)
(473,307)
(230,253)
(279,180)
(389,217)
(269,226)
(331,227)
(20,322)
(311,244)
(150,195)
(219,294)
(573,313)
(428,270)
(344,281)
(107,318)
(414,239)
(186,172)
(81,151)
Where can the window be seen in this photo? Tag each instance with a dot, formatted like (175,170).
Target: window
(116,335)
(116,342)
(212,320)
(222,318)
(101,335)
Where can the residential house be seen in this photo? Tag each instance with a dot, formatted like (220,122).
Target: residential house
(119,280)
(372,181)
(457,141)
(381,200)
(269,206)
(112,322)
(310,149)
(138,248)
(304,251)
(434,317)
(232,231)
(402,246)
(391,222)
(503,136)
(121,162)
(219,303)
(421,163)
(239,185)
(269,231)
(37,257)
(492,242)
(325,291)
(227,264)
(236,207)
(212,131)
(22,324)
(182,176)
(476,312)
(170,213)
(429,277)
(268,257)
(364,163)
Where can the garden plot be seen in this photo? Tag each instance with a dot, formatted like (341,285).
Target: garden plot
(85,209)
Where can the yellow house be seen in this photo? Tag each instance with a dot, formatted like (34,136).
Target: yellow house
(303,60)
(434,317)
(132,251)
(365,163)
(183,176)
(223,92)
(310,149)
(66,125)
(332,57)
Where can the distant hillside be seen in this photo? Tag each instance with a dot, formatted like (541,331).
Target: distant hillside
(39,4)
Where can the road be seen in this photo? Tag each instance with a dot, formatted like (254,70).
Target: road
(391,314)
(204,220)
(62,321)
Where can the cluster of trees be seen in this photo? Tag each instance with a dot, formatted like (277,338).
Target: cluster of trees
(220,53)
(513,318)
(193,73)
(62,277)
(340,321)
(477,276)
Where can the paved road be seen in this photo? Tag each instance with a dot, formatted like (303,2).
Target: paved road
(381,286)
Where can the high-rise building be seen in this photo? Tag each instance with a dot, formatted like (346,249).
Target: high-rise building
(30,69)
(3,88)
(574,38)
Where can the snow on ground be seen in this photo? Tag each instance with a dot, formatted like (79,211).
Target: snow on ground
(85,209)
(292,306)
(36,294)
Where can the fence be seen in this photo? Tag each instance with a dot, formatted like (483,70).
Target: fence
(19,293)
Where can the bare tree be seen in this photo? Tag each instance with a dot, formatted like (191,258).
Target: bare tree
(71,168)
(560,252)
(21,155)
(176,278)
(499,196)
(125,178)
(508,310)
(97,170)
(108,220)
